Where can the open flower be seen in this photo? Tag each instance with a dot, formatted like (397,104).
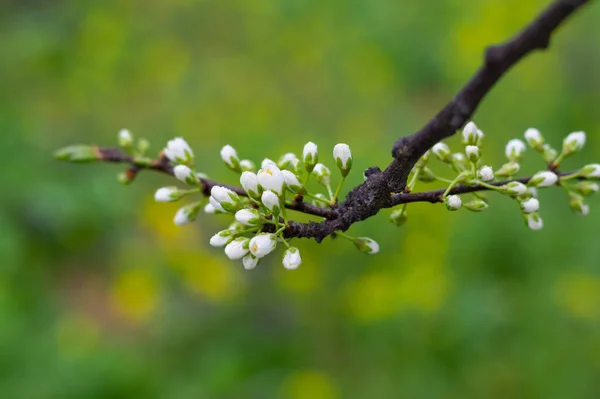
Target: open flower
(271,178)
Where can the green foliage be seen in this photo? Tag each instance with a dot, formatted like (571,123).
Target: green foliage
(101,295)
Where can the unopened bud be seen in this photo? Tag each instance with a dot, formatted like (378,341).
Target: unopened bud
(476,205)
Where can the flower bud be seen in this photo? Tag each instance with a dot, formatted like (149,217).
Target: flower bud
(250,261)
(271,201)
(577,205)
(530,206)
(471,134)
(310,156)
(472,152)
(514,188)
(286,161)
(453,202)
(178,151)
(271,178)
(167,194)
(296,167)
(77,153)
(586,188)
(534,139)
(320,200)
(249,182)
(533,221)
(142,146)
(228,200)
(248,217)
(543,179)
(230,157)
(291,181)
(187,214)
(573,143)
(476,205)
(186,175)
(222,238)
(291,258)
(125,139)
(322,174)
(532,192)
(247,166)
(486,173)
(343,158)
(215,206)
(514,150)
(266,163)
(591,171)
(548,153)
(459,160)
(508,169)
(262,244)
(398,217)
(442,151)
(237,248)
(209,209)
(366,245)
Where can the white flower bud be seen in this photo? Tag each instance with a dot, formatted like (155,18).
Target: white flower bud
(230,157)
(125,138)
(271,201)
(187,214)
(543,179)
(508,169)
(534,221)
(291,258)
(472,152)
(167,194)
(476,205)
(586,188)
(322,174)
(366,245)
(471,134)
(459,160)
(215,205)
(442,151)
(591,171)
(271,178)
(237,248)
(209,209)
(514,149)
(222,238)
(250,261)
(262,244)
(248,217)
(267,163)
(577,205)
(530,206)
(249,182)
(534,139)
(291,181)
(486,173)
(185,174)
(228,200)
(573,143)
(343,158)
(514,188)
(286,161)
(310,156)
(247,165)
(453,202)
(532,191)
(178,151)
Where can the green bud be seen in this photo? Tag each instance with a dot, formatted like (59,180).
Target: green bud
(77,153)
(366,245)
(476,205)
(586,188)
(508,169)
(398,217)
(142,146)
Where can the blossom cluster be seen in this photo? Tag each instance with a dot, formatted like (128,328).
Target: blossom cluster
(470,170)
(260,207)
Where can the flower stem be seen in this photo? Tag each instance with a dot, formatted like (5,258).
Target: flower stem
(334,200)
(453,183)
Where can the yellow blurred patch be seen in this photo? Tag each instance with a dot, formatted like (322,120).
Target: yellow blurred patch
(309,384)
(158,218)
(579,295)
(76,335)
(135,294)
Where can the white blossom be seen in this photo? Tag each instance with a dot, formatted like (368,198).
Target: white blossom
(442,151)
(247,165)
(222,238)
(366,245)
(534,221)
(228,200)
(209,209)
(471,134)
(531,205)
(534,139)
(543,179)
(249,261)
(310,155)
(573,143)
(514,188)
(453,202)
(262,244)
(215,205)
(248,217)
(287,160)
(249,182)
(472,152)
(291,258)
(322,174)
(532,191)
(577,205)
(185,174)
(230,157)
(591,171)
(291,181)
(125,138)
(266,163)
(271,178)
(271,201)
(181,217)
(237,248)
(178,151)
(167,194)
(586,187)
(486,173)
(343,158)
(514,149)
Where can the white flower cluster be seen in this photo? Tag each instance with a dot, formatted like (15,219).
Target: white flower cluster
(470,170)
(259,207)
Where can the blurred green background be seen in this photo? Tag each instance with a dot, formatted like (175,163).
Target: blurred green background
(101,296)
